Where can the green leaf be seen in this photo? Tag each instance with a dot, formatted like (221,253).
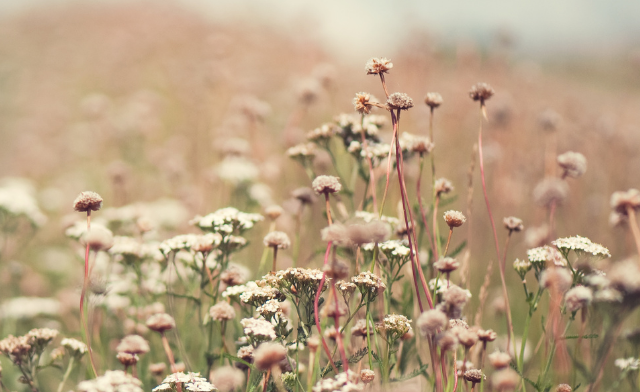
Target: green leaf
(236,359)
(422,369)
(591,336)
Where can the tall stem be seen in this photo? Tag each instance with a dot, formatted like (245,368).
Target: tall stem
(446,248)
(85,285)
(422,212)
(275,257)
(167,350)
(372,179)
(336,319)
(66,374)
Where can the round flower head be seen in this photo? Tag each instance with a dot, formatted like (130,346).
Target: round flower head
(111,381)
(228,379)
(577,298)
(443,185)
(474,376)
(277,239)
(486,335)
(269,354)
(304,195)
(447,341)
(98,238)
(127,359)
(467,337)
(431,321)
(87,201)
(573,164)
(373,232)
(378,66)
(326,185)
(362,103)
(550,190)
(336,269)
(336,233)
(75,347)
(454,218)
(481,92)
(400,101)
(563,388)
(512,223)
(161,322)
(273,212)
(367,375)
(433,100)
(158,369)
(557,278)
(505,380)
(222,311)
(446,264)
(133,344)
(621,201)
(499,360)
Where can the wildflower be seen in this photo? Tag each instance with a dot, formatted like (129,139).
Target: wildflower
(563,388)
(227,221)
(268,355)
(378,66)
(433,100)
(369,284)
(578,298)
(621,201)
(581,244)
(158,369)
(133,344)
(277,239)
(273,212)
(360,328)
(447,341)
(522,267)
(431,321)
(361,103)
(558,278)
(512,223)
(454,218)
(371,217)
(269,309)
(487,335)
(161,322)
(545,254)
(499,360)
(625,276)
(442,185)
(446,264)
(373,232)
(342,382)
(549,191)
(338,234)
(336,269)
(367,375)
(236,170)
(326,185)
(87,201)
(467,337)
(200,386)
(505,380)
(111,381)
(395,325)
(258,329)
(626,364)
(246,354)
(302,151)
(308,91)
(227,378)
(400,101)
(474,376)
(127,359)
(573,164)
(74,347)
(415,144)
(454,300)
(98,238)
(481,92)
(234,275)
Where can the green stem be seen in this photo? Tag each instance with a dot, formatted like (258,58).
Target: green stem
(66,374)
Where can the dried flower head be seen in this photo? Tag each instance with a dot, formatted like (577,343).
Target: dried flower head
(378,66)
(127,359)
(342,382)
(416,144)
(563,388)
(433,100)
(87,201)
(360,328)
(505,380)
(447,341)
(273,212)
(431,321)
(133,344)
(234,275)
(367,375)
(621,201)
(362,103)
(442,185)
(481,92)
(512,223)
(373,232)
(98,238)
(446,264)
(246,354)
(228,379)
(161,322)
(454,218)
(277,239)
(550,190)
(573,164)
(222,311)
(474,376)
(326,185)
(578,298)
(268,355)
(499,359)
(486,335)
(399,101)
(338,234)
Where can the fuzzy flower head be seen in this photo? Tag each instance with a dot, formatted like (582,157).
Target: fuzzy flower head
(227,221)
(161,322)
(268,355)
(622,201)
(325,132)
(550,190)
(499,360)
(454,218)
(378,65)
(326,185)
(481,92)
(362,103)
(133,344)
(556,278)
(573,164)
(367,376)
(277,239)
(415,144)
(87,201)
(222,311)
(433,100)
(513,224)
(578,298)
(443,186)
(74,347)
(431,321)
(111,381)
(342,382)
(474,376)
(446,265)
(399,101)
(545,255)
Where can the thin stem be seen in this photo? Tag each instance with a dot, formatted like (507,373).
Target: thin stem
(315,310)
(85,285)
(328,205)
(372,179)
(167,350)
(633,224)
(336,319)
(422,212)
(386,185)
(446,248)
(436,240)
(66,374)
(275,257)
(266,380)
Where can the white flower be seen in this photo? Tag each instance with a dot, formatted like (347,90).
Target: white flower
(627,363)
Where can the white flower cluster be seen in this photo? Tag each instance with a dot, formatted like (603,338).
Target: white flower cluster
(582,244)
(299,276)
(394,248)
(227,220)
(188,241)
(75,347)
(396,324)
(368,282)
(255,294)
(192,381)
(544,254)
(29,307)
(237,170)
(17,199)
(258,329)
(340,383)
(324,132)
(442,287)
(369,217)
(111,381)
(626,364)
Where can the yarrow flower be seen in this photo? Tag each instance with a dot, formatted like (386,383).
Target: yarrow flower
(227,221)
(258,329)
(626,364)
(111,381)
(581,244)
(546,255)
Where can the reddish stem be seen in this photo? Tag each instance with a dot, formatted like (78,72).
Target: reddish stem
(336,319)
(315,310)
(85,284)
(422,213)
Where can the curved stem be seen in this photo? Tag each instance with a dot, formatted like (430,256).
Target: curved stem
(66,374)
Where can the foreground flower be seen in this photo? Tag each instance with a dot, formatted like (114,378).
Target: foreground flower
(111,381)
(378,66)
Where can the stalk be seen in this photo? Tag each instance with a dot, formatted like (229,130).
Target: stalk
(66,374)
(85,284)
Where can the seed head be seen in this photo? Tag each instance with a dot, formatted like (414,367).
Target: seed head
(622,200)
(442,185)
(133,344)
(446,264)
(373,232)
(337,269)
(367,375)
(362,103)
(467,337)
(512,223)
(573,164)
(87,201)
(246,354)
(499,360)
(378,66)
(563,388)
(486,335)
(326,184)
(481,92)
(400,101)
(161,322)
(228,379)
(454,218)
(433,100)
(222,311)
(336,233)
(277,239)
(474,376)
